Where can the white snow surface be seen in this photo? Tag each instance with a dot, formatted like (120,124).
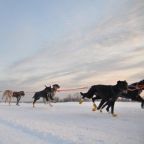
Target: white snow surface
(71,123)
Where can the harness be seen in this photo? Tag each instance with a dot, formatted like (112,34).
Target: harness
(135,86)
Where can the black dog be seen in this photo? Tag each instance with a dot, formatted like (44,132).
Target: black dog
(18,96)
(135,96)
(106,93)
(48,94)
(134,91)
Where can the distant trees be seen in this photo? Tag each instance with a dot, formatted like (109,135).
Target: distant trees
(70,98)
(76,98)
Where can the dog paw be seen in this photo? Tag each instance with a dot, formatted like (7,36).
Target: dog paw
(114,115)
(94,105)
(81,101)
(94,109)
(100,110)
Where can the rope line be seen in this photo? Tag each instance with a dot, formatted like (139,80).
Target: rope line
(72,89)
(62,90)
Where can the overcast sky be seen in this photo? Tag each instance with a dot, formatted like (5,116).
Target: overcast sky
(70,42)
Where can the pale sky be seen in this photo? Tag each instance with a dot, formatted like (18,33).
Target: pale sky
(74,43)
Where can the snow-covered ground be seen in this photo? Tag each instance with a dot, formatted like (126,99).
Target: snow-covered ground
(71,123)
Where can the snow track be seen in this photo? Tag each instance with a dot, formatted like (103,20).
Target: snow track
(70,123)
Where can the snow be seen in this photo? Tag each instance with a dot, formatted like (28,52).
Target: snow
(71,123)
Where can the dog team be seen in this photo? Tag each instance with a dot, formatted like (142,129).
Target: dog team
(107,93)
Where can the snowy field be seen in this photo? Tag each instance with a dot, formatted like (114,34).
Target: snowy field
(71,123)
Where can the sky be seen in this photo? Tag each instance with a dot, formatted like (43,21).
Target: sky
(74,43)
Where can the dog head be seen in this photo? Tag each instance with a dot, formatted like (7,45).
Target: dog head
(123,86)
(141,84)
(56,87)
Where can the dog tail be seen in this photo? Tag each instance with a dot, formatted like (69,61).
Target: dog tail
(82,93)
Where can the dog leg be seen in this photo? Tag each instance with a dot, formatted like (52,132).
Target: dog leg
(6,100)
(101,104)
(9,100)
(34,103)
(50,104)
(94,107)
(112,109)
